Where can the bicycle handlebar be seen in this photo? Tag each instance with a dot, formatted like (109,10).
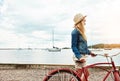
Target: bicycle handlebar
(107,55)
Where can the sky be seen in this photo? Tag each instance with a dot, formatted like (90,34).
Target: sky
(28,23)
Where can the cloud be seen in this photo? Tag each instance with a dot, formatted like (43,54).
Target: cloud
(30,23)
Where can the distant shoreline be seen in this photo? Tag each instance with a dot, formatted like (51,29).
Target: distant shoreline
(94,46)
(20,48)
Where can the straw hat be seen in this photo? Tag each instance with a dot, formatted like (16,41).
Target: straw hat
(78,18)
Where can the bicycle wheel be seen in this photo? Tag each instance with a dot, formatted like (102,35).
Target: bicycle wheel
(62,75)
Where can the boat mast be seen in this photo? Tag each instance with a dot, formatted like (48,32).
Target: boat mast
(53,38)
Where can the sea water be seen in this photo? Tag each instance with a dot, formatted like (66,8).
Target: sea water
(33,56)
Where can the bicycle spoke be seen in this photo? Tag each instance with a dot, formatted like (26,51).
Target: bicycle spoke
(62,75)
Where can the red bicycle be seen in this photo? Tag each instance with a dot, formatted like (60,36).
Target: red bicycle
(66,74)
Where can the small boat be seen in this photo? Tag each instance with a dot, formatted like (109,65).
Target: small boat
(54,49)
(96,49)
(107,48)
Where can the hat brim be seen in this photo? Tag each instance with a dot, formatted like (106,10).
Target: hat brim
(81,20)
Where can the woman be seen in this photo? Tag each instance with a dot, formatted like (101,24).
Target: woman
(79,43)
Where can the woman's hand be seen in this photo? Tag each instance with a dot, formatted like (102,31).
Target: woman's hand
(82,60)
(92,54)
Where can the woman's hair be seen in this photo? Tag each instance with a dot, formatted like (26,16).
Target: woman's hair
(81,28)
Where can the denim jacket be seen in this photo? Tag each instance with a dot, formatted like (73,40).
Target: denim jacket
(79,45)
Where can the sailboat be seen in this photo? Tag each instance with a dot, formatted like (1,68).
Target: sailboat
(53,49)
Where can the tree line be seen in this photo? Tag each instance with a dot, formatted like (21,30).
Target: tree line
(105,46)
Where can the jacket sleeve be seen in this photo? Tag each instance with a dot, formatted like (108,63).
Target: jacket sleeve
(74,45)
(89,52)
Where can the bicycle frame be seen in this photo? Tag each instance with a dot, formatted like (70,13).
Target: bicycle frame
(112,70)
(81,74)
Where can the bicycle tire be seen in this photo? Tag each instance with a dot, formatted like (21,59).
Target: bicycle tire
(62,75)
